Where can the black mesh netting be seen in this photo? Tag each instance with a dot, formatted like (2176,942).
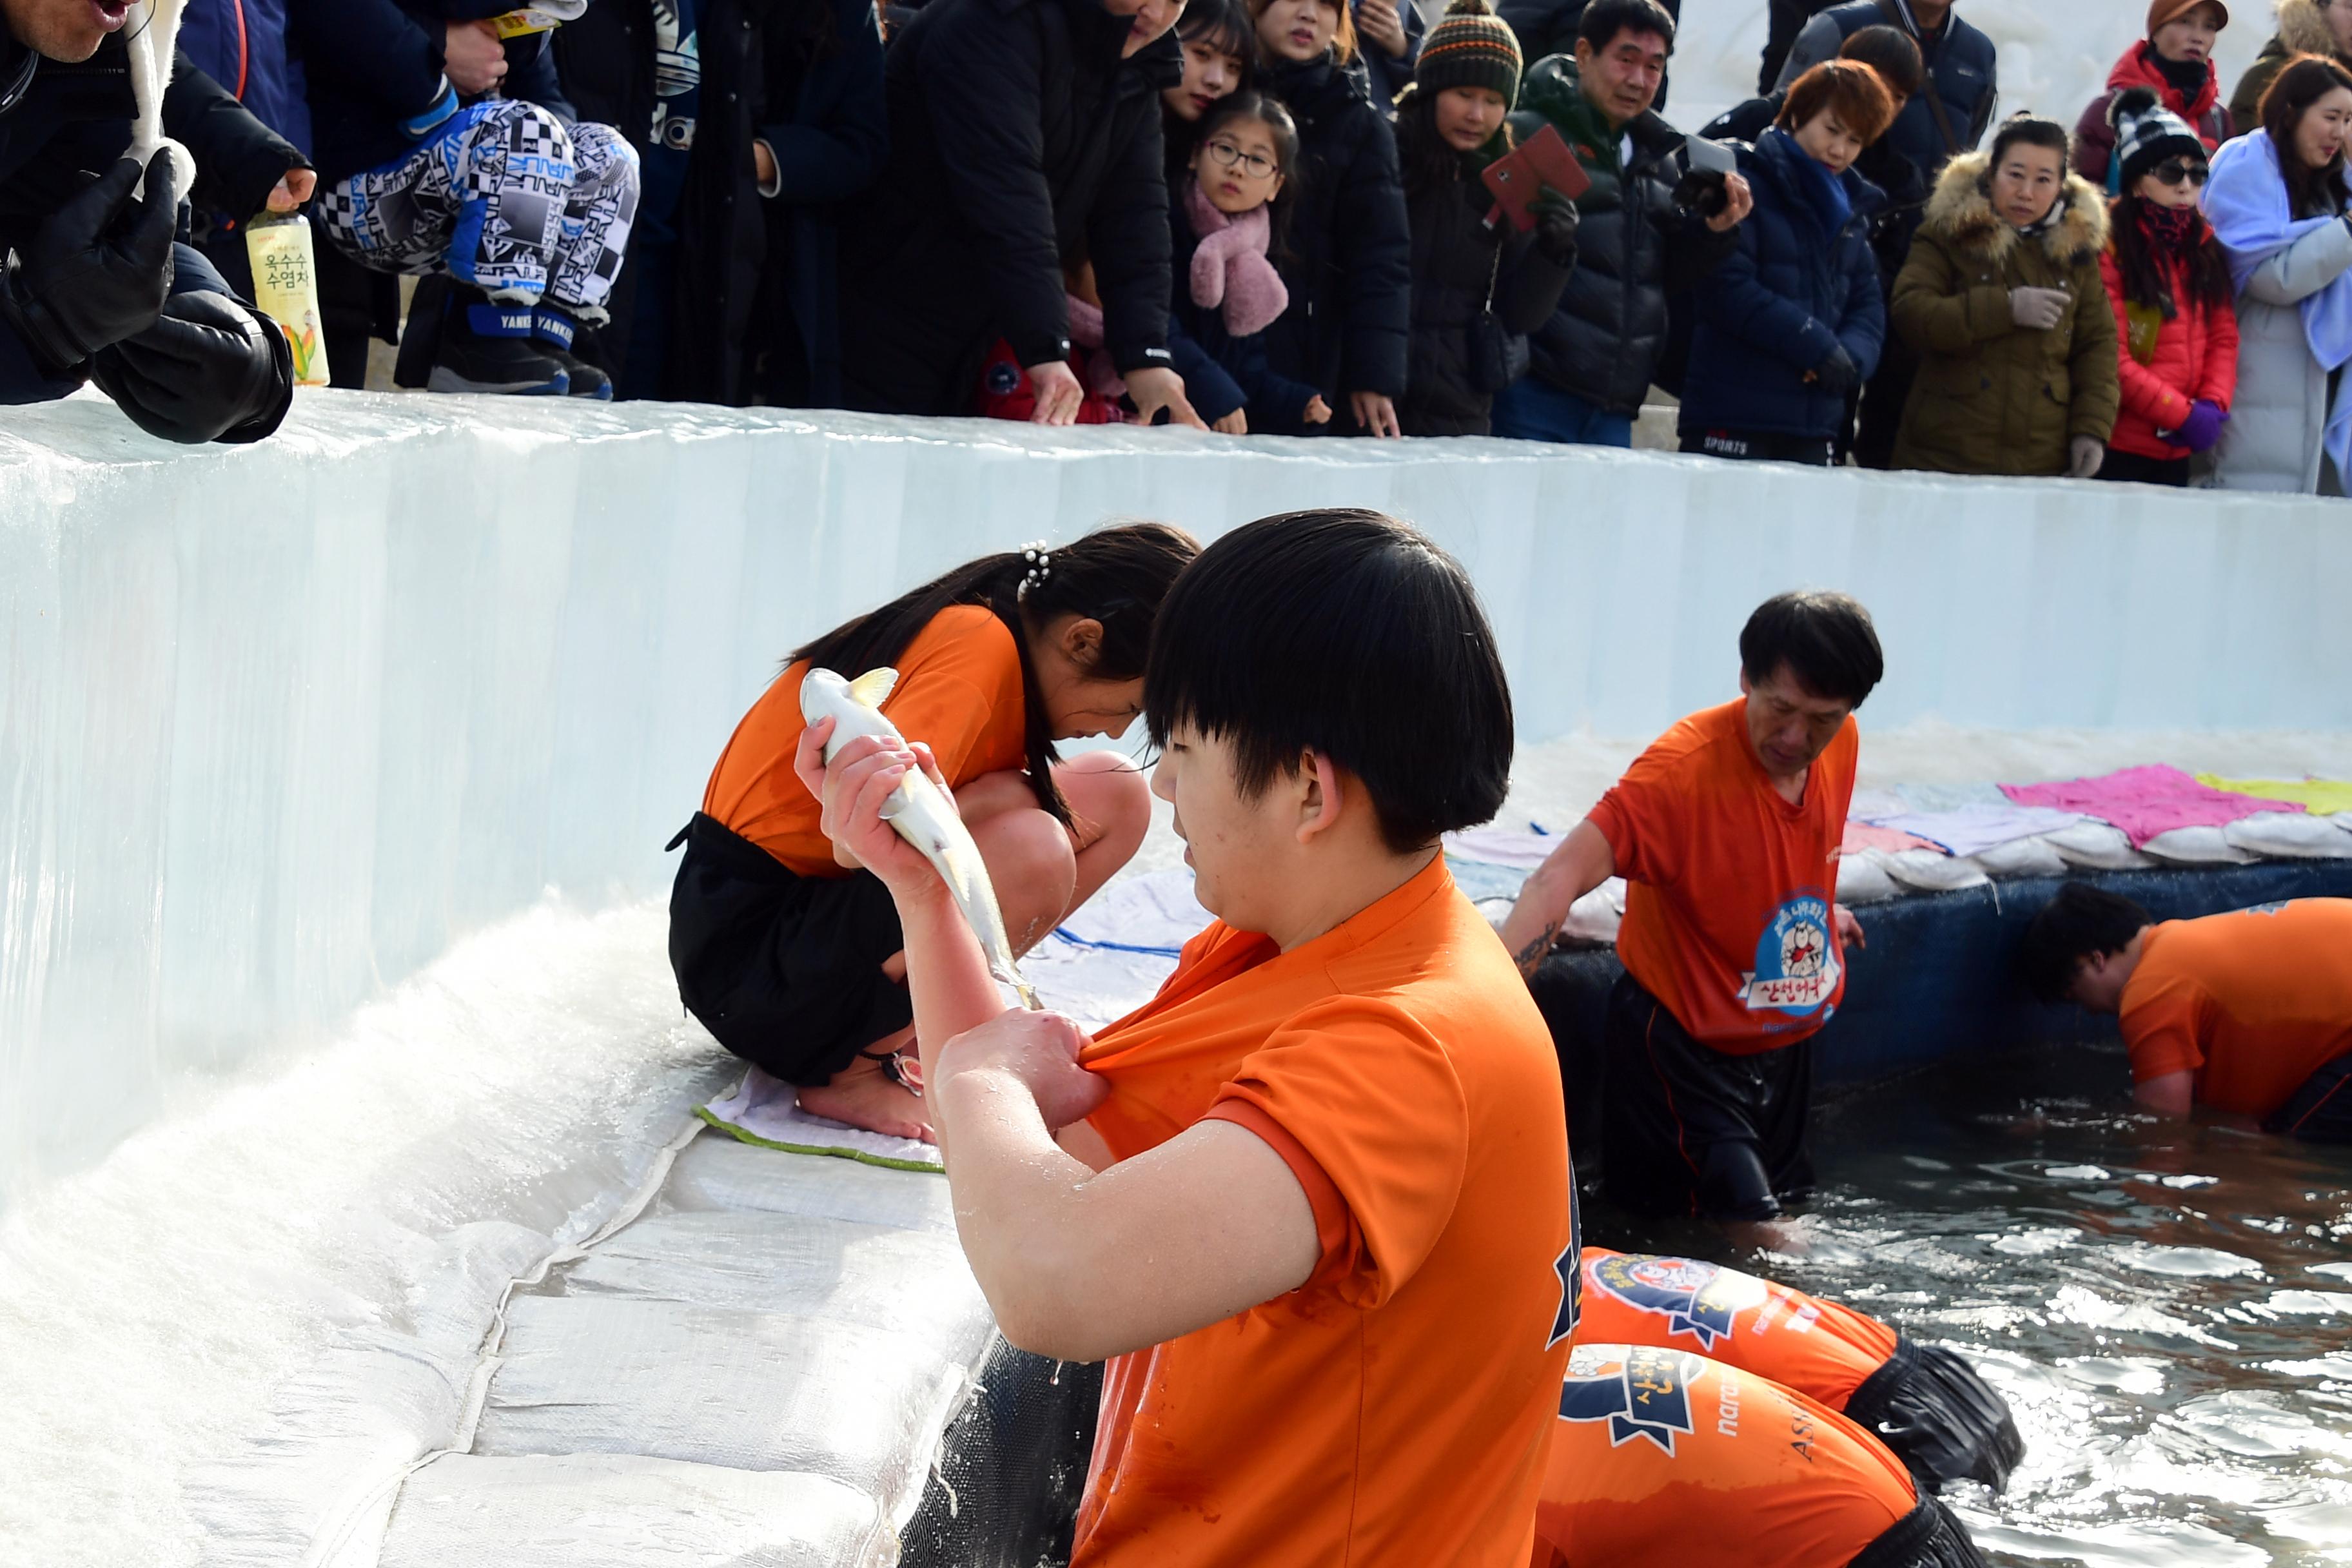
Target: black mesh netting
(1011,1469)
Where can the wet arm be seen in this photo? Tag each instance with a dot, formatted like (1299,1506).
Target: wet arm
(1581,863)
(2169,1094)
(1081,1266)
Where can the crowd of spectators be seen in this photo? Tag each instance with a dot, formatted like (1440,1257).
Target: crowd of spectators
(1249,217)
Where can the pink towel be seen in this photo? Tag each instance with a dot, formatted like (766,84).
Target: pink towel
(2145,802)
(1862,836)
(1230,268)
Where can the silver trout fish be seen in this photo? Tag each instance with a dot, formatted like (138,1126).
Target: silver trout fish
(918,809)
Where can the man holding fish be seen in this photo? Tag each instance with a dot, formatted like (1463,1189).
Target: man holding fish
(1313,1200)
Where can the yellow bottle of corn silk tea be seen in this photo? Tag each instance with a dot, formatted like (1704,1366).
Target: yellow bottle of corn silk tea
(286,287)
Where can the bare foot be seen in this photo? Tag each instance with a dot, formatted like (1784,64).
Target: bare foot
(863,1095)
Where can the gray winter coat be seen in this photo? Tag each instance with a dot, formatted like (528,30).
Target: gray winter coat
(2272,441)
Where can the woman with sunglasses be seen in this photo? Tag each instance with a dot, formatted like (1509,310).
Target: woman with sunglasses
(2176,324)
(2277,203)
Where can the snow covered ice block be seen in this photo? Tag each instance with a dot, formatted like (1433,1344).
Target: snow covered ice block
(585,1510)
(862,1405)
(915,1281)
(717,1172)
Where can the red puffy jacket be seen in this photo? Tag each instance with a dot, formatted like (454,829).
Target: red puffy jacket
(2167,365)
(2094,139)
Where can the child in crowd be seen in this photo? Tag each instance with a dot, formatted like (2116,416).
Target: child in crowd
(789,951)
(1794,321)
(2277,203)
(1475,285)
(2002,301)
(1225,218)
(1219,42)
(1349,260)
(1313,1200)
(2169,284)
(443,151)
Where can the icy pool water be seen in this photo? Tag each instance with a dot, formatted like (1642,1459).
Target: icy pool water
(2164,1307)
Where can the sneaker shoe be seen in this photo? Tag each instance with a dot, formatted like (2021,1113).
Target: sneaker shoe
(553,332)
(486,348)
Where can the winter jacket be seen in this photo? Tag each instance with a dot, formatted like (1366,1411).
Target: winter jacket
(816,102)
(1350,262)
(1993,397)
(2302,30)
(1548,27)
(1802,283)
(370,65)
(241,44)
(1784,19)
(1633,247)
(1963,74)
(2166,365)
(1020,142)
(1458,264)
(1222,371)
(73,123)
(1902,188)
(1387,75)
(2273,439)
(2094,139)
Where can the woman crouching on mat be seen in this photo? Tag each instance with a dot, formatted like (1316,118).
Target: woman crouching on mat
(784,947)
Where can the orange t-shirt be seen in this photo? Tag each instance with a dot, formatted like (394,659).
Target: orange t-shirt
(1818,1348)
(2253,1003)
(1727,907)
(1662,1455)
(1395,1408)
(959,692)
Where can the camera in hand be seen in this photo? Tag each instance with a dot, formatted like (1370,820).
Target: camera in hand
(1704,190)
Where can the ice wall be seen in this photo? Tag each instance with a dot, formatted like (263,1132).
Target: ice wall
(2054,56)
(277,724)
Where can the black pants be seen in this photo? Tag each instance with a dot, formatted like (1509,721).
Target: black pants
(2131,468)
(1696,1131)
(1751,446)
(2321,1111)
(784,971)
(1882,397)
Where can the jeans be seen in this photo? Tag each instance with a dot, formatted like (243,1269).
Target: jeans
(1532,409)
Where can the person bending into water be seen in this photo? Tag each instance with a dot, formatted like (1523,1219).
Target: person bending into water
(2248,1013)
(784,947)
(1727,830)
(1314,1197)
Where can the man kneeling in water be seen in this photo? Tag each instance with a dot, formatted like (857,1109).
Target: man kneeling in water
(1314,1198)
(2248,1013)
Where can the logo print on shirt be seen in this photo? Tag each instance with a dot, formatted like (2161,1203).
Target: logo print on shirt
(1697,1299)
(1796,964)
(1641,1391)
(1572,1292)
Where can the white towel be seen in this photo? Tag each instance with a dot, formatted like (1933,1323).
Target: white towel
(761,1109)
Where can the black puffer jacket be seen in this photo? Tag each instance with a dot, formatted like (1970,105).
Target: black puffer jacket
(74,122)
(1020,142)
(1350,267)
(1457,262)
(1633,247)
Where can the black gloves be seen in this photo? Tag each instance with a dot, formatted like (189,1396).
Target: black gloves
(99,270)
(208,370)
(1837,372)
(1556,219)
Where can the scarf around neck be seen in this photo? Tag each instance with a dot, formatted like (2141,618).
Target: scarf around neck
(2170,230)
(1230,268)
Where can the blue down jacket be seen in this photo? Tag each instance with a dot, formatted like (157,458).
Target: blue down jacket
(1804,280)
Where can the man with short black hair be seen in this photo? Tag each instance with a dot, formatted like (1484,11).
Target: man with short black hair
(1727,831)
(2250,1013)
(1649,229)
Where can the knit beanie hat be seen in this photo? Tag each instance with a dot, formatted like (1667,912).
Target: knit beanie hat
(2160,12)
(1470,47)
(2147,133)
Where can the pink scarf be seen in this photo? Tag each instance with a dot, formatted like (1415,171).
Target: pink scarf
(1230,268)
